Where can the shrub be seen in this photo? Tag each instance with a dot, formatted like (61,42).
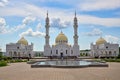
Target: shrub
(3,63)
(17,60)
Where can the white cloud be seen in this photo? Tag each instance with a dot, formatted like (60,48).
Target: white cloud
(2,22)
(3,3)
(2,25)
(18,27)
(107,22)
(4,28)
(65,16)
(39,26)
(32,33)
(52,30)
(93,5)
(94,32)
(58,23)
(112,39)
(28,20)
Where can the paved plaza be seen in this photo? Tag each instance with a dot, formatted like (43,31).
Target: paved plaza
(23,71)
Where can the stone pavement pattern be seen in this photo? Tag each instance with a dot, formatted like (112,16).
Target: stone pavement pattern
(23,71)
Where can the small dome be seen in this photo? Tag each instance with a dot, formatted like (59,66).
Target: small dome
(101,41)
(23,41)
(61,38)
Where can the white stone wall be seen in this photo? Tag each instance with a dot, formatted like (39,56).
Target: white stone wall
(76,50)
(19,50)
(105,50)
(59,49)
(47,50)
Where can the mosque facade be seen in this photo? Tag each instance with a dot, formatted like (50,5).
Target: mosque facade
(19,49)
(102,48)
(61,46)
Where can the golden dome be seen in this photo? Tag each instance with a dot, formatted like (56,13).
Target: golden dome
(61,38)
(23,41)
(101,41)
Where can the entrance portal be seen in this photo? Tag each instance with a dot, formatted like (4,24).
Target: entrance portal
(61,55)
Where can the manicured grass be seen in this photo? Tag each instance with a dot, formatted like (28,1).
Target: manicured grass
(111,60)
(108,60)
(3,63)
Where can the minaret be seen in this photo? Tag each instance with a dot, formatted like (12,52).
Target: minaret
(47,26)
(75,30)
(76,50)
(47,48)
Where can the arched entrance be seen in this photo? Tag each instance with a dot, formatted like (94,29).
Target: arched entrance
(61,55)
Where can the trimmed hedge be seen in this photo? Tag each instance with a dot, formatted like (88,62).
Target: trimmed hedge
(17,60)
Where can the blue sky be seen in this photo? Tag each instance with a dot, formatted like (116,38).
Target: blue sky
(27,18)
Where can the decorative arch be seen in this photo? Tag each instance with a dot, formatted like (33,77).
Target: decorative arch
(51,51)
(56,51)
(110,52)
(19,54)
(15,54)
(71,51)
(66,51)
(10,53)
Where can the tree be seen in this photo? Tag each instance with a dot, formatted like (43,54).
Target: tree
(119,53)
(0,54)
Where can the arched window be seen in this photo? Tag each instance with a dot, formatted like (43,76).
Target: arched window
(106,52)
(19,54)
(17,47)
(51,51)
(110,52)
(66,51)
(10,53)
(101,52)
(115,52)
(23,54)
(56,51)
(106,47)
(71,51)
(15,54)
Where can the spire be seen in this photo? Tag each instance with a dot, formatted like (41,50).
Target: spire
(75,13)
(47,19)
(47,13)
(75,18)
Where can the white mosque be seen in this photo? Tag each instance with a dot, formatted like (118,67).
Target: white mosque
(104,49)
(61,46)
(19,49)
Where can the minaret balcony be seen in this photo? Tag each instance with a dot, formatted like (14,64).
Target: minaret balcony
(75,36)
